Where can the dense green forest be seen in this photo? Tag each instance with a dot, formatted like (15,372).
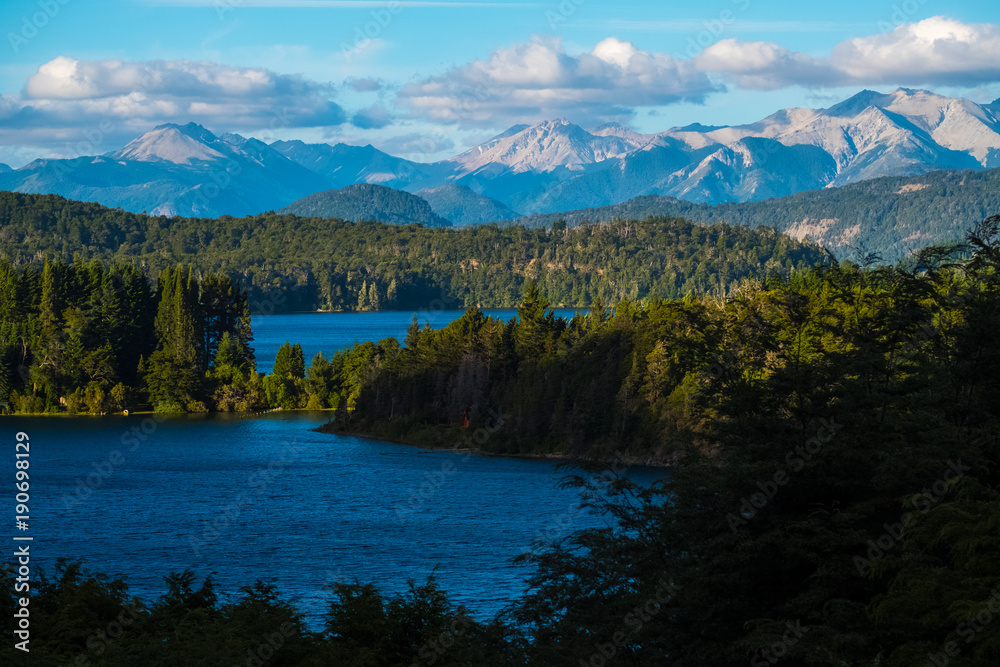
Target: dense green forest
(85,338)
(289,263)
(463,206)
(894,216)
(366,201)
(836,498)
(90,338)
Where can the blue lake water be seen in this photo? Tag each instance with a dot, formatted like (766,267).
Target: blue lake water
(329,332)
(266,497)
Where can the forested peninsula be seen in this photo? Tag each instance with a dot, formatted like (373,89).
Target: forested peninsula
(835,500)
(104,310)
(292,264)
(645,380)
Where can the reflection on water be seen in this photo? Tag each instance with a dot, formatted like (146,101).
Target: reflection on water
(266,497)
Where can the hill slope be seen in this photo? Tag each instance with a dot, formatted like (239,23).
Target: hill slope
(463,206)
(294,263)
(892,216)
(365,201)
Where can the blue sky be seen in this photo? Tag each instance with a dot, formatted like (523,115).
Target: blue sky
(429,79)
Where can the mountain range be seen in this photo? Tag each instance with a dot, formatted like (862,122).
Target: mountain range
(542,168)
(892,216)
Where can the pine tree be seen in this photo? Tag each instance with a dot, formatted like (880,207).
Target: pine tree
(283,361)
(392,293)
(534,326)
(363,296)
(297,362)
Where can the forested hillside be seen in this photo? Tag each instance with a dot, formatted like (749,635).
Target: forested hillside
(464,206)
(892,216)
(291,263)
(367,202)
(835,500)
(90,338)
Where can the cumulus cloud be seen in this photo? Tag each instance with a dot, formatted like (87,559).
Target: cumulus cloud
(937,50)
(763,65)
(372,118)
(67,97)
(539,80)
(364,84)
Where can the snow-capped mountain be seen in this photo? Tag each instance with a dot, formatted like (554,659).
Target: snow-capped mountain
(547,167)
(178,144)
(346,165)
(874,134)
(176,170)
(547,146)
(905,132)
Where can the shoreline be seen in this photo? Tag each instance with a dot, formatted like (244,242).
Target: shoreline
(562,458)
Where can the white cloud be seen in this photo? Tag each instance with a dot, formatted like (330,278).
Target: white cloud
(763,65)
(67,98)
(937,50)
(372,118)
(180,80)
(539,80)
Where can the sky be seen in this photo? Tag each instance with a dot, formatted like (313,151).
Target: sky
(427,79)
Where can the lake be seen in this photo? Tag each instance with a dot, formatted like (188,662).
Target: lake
(329,332)
(263,496)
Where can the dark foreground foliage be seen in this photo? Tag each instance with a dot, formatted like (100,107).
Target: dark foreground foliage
(80,618)
(836,500)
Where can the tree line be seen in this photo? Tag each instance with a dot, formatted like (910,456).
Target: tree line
(84,338)
(834,500)
(835,490)
(284,262)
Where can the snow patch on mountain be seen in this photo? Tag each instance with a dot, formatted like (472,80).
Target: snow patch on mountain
(174,143)
(541,148)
